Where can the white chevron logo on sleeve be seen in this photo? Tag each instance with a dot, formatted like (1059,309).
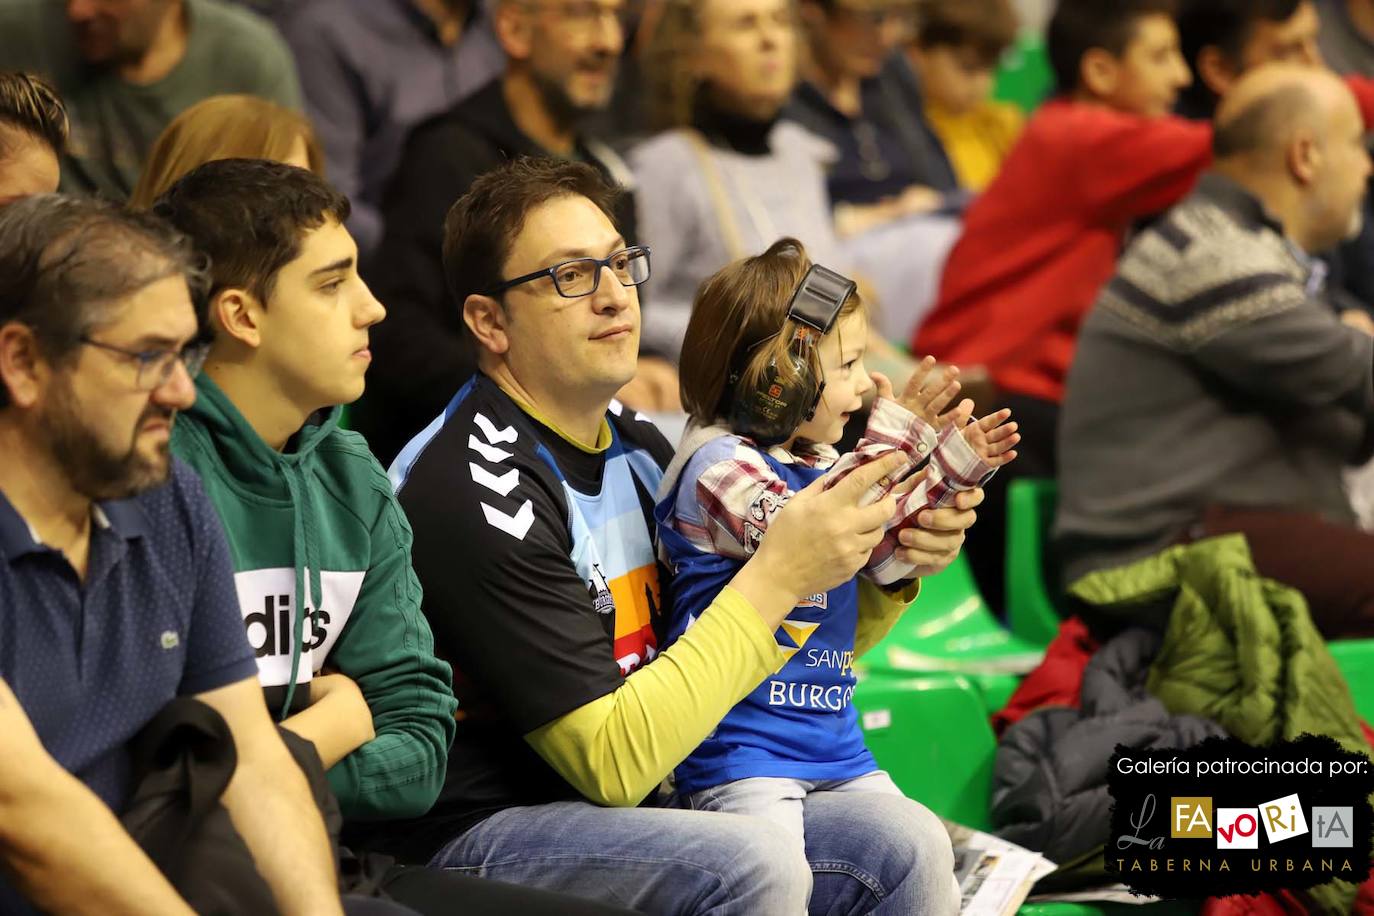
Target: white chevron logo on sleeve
(489,452)
(502,484)
(517,525)
(495,436)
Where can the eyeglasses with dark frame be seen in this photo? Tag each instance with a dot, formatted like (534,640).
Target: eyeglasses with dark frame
(155,366)
(582,276)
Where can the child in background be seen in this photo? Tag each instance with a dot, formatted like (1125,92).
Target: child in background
(955,51)
(772,367)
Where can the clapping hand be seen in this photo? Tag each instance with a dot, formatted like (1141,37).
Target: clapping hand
(929,391)
(993,438)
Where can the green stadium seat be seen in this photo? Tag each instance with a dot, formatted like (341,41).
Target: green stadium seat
(1163,908)
(931,733)
(1024,77)
(1031,610)
(950,629)
(1356,660)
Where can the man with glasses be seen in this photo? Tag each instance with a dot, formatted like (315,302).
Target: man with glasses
(531,498)
(116,589)
(563,57)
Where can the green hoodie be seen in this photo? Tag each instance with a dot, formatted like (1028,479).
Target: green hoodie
(317,525)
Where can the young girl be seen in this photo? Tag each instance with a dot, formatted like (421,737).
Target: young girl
(745,354)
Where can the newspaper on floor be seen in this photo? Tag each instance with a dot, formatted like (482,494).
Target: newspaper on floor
(994,876)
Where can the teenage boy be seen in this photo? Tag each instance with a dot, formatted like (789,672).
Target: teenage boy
(310,518)
(309,512)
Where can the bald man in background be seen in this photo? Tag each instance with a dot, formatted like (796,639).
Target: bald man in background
(1215,390)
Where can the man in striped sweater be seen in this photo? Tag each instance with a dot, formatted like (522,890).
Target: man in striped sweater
(1215,389)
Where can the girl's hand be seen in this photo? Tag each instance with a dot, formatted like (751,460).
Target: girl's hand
(993,439)
(929,391)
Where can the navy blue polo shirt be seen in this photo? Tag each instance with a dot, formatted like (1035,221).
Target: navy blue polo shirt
(156,618)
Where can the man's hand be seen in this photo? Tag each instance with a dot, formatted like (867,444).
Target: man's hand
(938,536)
(927,393)
(819,540)
(271,806)
(59,843)
(993,438)
(654,389)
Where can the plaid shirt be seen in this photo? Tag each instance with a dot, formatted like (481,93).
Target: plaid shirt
(738,496)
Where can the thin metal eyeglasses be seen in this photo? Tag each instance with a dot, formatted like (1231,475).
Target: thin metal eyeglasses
(585,15)
(155,366)
(582,276)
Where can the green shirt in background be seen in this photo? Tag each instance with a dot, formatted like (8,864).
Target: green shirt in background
(115,123)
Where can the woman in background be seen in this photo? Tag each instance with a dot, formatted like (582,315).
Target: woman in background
(226,127)
(728,176)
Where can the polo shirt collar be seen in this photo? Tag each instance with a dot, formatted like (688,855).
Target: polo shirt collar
(16,537)
(124,517)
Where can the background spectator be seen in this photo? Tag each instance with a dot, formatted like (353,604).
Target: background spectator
(562,61)
(1347,35)
(726,178)
(226,127)
(126,70)
(33,134)
(1032,255)
(859,94)
(1221,39)
(1215,390)
(955,51)
(373,69)
(1224,39)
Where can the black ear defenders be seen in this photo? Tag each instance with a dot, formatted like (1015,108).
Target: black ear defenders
(770,412)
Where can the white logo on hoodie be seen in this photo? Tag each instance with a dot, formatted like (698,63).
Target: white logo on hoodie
(267,599)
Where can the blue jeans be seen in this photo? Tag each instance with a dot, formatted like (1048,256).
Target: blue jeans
(916,873)
(663,861)
(861,848)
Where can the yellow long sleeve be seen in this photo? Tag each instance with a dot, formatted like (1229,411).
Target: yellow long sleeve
(616,749)
(879,611)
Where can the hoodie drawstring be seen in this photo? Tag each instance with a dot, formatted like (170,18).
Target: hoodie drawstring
(305,558)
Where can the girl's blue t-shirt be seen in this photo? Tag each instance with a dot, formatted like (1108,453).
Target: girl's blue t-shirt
(799,723)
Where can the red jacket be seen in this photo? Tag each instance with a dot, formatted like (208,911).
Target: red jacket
(1044,237)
